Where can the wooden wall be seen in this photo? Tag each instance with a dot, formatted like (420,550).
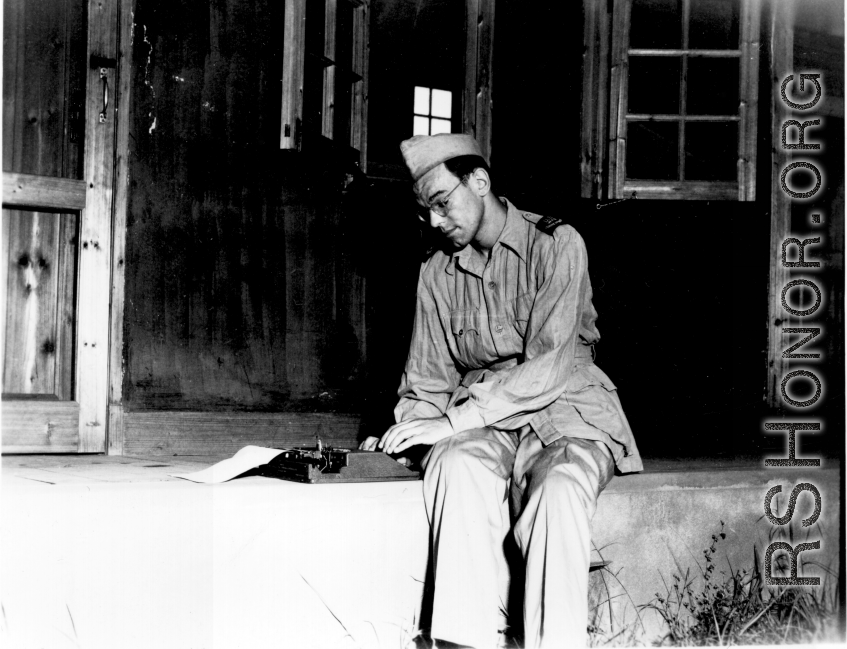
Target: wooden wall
(239,294)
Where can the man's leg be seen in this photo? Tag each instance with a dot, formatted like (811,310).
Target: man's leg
(555,490)
(466,486)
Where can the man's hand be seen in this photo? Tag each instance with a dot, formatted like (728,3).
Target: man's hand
(369,444)
(415,431)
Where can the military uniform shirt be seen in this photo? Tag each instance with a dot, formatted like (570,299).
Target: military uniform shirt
(508,343)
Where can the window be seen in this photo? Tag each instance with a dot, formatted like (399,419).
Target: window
(433,111)
(684,80)
(350,68)
(324,75)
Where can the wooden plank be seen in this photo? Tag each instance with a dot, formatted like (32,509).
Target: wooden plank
(479,43)
(681,190)
(115,445)
(359,99)
(749,96)
(44,88)
(41,73)
(683,95)
(95,236)
(781,65)
(293,57)
(28,190)
(116,311)
(34,130)
(618,100)
(213,433)
(66,306)
(34,426)
(471,69)
(590,96)
(14,39)
(32,265)
(75,64)
(485,55)
(595,97)
(328,111)
(601,135)
(4,285)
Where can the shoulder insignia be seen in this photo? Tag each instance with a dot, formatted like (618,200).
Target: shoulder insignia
(549,223)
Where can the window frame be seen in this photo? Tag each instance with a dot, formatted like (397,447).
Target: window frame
(293,75)
(743,188)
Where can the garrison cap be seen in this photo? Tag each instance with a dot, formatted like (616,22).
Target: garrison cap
(423,153)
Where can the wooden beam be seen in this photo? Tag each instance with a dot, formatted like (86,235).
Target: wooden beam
(95,249)
(35,426)
(590,96)
(681,190)
(328,112)
(471,51)
(359,98)
(479,54)
(781,65)
(618,100)
(224,433)
(749,100)
(34,192)
(116,312)
(595,97)
(293,57)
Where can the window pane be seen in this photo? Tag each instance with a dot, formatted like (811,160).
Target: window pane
(421,126)
(656,24)
(651,150)
(714,25)
(712,86)
(440,126)
(442,103)
(653,84)
(421,100)
(711,150)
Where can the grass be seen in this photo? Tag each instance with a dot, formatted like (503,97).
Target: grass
(707,607)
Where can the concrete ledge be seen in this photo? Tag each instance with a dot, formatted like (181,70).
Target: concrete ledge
(71,523)
(653,524)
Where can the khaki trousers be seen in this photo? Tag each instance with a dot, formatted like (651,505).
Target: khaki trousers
(476,483)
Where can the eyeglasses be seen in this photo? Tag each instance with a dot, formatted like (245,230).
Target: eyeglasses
(439,206)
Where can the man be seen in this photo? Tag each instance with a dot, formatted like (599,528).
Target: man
(500,382)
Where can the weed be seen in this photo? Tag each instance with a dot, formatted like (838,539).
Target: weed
(738,608)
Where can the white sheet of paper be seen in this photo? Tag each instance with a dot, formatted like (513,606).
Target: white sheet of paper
(247,458)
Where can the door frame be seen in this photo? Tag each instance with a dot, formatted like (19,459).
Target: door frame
(81,425)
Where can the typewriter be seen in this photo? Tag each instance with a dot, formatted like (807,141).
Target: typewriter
(321,464)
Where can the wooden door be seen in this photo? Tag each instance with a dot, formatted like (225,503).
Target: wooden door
(59,126)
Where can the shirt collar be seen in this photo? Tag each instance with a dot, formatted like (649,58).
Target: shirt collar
(513,237)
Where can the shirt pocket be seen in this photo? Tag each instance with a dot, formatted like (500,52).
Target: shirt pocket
(464,325)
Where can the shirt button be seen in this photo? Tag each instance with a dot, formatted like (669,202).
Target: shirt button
(461,331)
(499,329)
(491,284)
